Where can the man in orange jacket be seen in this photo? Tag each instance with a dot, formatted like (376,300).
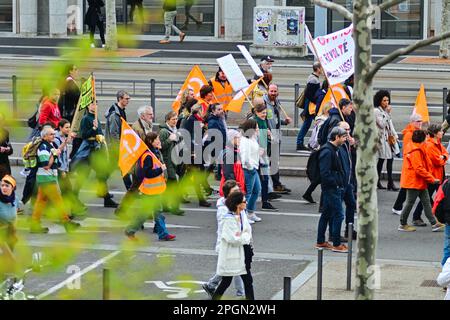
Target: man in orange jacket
(415,123)
(415,179)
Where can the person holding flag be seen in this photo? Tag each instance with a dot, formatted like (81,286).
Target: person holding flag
(91,155)
(151,170)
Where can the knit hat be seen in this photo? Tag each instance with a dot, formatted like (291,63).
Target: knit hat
(9,179)
(415,117)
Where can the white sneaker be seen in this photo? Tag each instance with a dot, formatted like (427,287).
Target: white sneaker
(251,221)
(103,45)
(25,172)
(397,212)
(92,45)
(254,217)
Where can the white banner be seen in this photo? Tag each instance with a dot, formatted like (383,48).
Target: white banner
(234,74)
(250,61)
(336,54)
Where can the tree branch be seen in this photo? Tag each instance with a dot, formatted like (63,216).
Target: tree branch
(389,4)
(336,7)
(404,51)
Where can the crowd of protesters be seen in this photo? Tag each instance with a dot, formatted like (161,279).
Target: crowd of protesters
(195,141)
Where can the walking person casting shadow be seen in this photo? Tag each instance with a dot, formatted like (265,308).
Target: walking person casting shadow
(94,18)
(235,251)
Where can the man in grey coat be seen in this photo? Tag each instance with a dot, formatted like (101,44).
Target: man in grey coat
(113,129)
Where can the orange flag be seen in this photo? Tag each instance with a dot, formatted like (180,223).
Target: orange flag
(421,106)
(131,148)
(339,93)
(238,100)
(195,80)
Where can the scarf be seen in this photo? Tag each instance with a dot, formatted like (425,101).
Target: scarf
(8,199)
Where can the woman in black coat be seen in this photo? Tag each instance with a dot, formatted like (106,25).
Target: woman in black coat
(94,18)
(5,149)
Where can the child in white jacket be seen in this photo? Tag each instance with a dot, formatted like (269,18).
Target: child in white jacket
(444,278)
(229,186)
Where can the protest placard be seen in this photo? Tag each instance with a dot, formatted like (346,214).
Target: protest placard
(234,74)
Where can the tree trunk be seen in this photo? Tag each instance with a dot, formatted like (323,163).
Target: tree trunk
(111,25)
(367,135)
(443,49)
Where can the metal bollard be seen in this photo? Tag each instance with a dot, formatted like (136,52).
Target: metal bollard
(296,115)
(14,95)
(349,256)
(287,288)
(106,284)
(153,97)
(319,273)
(444,103)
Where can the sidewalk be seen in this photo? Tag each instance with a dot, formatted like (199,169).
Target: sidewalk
(397,282)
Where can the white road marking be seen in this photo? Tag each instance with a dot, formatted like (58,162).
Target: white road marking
(77,275)
(299,280)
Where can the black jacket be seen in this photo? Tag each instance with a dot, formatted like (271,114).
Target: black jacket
(331,171)
(4,160)
(94,12)
(333,121)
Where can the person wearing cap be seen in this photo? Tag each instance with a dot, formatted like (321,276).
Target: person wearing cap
(415,123)
(312,86)
(265,65)
(222,89)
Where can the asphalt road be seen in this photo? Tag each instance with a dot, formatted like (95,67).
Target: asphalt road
(283,241)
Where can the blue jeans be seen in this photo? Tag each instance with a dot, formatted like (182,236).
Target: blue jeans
(333,213)
(446,244)
(253,187)
(304,129)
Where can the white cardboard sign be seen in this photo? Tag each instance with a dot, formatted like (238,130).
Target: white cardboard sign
(250,61)
(234,74)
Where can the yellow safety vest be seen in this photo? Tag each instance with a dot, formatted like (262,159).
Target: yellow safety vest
(152,186)
(223,94)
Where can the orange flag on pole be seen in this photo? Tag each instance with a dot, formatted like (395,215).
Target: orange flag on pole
(131,148)
(195,80)
(339,93)
(421,106)
(238,100)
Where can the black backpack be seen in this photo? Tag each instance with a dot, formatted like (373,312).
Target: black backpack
(442,212)
(312,166)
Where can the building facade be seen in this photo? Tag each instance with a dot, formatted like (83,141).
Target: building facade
(229,19)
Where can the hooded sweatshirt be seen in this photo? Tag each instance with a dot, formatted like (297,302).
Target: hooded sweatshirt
(417,168)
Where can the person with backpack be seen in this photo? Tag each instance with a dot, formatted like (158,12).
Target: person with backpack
(416,176)
(47,182)
(315,146)
(332,182)
(312,86)
(346,108)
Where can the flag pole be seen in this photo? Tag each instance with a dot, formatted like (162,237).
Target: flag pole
(325,74)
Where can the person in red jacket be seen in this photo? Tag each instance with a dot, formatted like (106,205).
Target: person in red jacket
(438,156)
(232,166)
(416,175)
(49,110)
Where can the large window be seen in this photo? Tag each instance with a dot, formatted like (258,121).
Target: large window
(403,21)
(6,16)
(201,16)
